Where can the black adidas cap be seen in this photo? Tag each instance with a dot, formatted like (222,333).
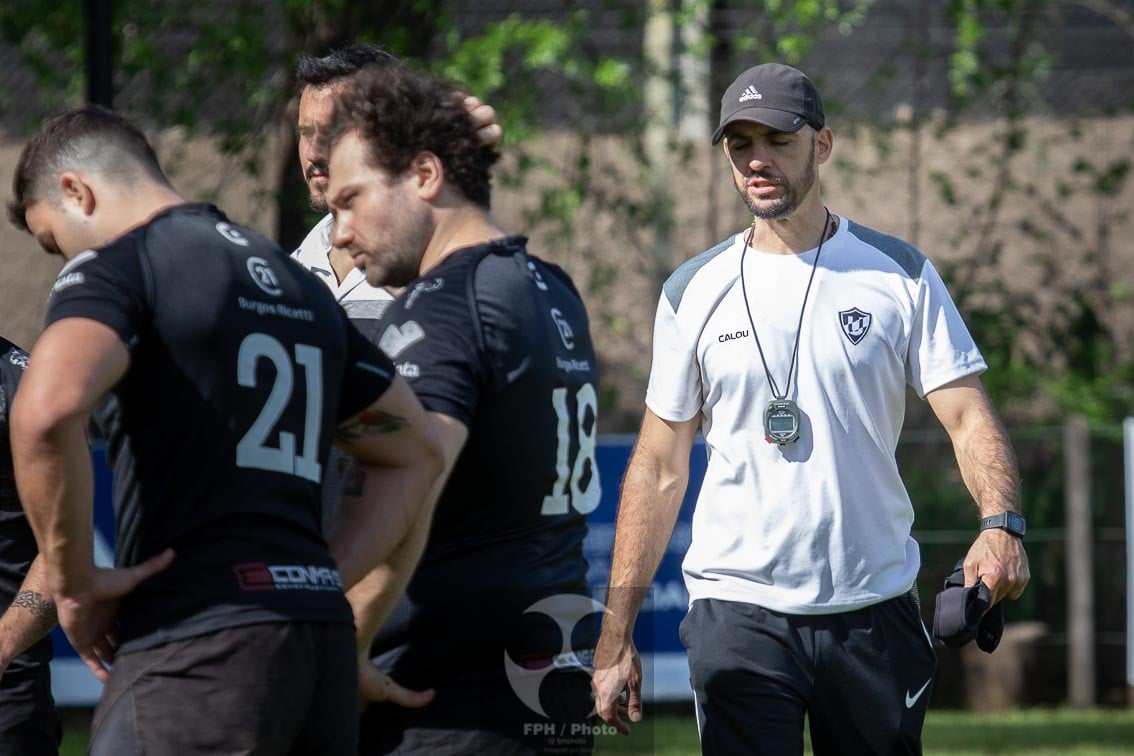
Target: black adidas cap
(772,94)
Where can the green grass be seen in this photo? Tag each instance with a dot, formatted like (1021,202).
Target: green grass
(1032,732)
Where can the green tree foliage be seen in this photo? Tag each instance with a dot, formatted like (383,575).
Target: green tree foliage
(1054,346)
(224,69)
(1058,342)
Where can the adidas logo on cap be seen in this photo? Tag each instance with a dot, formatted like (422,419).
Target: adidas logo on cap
(750,94)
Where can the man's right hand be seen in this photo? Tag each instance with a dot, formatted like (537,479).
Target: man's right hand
(488,132)
(617,683)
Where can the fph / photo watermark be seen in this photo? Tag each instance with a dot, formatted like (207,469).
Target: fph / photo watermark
(556,690)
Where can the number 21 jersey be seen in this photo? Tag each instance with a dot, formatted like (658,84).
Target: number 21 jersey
(241,365)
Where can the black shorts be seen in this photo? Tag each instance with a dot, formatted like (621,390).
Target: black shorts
(275,688)
(863,678)
(482,714)
(29,724)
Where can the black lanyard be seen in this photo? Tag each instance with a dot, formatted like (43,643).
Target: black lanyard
(799,327)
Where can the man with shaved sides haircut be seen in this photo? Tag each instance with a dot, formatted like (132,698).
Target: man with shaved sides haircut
(221,372)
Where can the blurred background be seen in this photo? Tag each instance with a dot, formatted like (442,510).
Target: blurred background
(995,135)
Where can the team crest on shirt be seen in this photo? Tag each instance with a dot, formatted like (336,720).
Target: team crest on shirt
(855,323)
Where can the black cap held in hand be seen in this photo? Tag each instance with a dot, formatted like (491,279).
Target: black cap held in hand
(772,94)
(964,614)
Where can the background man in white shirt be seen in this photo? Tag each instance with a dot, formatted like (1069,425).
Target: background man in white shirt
(790,345)
(323,78)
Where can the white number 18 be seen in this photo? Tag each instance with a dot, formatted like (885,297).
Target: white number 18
(584,501)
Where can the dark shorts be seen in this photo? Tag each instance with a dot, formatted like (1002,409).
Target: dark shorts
(484,715)
(862,677)
(276,688)
(29,724)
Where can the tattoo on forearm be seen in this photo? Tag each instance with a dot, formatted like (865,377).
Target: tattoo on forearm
(370,423)
(41,607)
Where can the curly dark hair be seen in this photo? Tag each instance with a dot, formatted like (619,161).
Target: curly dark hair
(400,113)
(339,64)
(89,138)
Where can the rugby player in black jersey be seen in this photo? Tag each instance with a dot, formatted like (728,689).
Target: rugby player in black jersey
(29,724)
(220,370)
(497,619)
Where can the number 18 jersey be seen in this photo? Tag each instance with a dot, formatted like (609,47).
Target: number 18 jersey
(500,341)
(241,365)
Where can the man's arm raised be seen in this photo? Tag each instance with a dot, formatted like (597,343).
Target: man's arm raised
(652,492)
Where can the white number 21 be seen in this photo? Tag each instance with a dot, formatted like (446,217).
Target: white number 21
(253,451)
(584,501)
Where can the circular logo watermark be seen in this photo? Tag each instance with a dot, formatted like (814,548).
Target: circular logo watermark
(566,610)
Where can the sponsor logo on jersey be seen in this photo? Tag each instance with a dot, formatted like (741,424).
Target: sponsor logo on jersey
(565,331)
(273,308)
(566,610)
(573,366)
(257,576)
(732,336)
(264,276)
(537,276)
(409,370)
(67,278)
(396,340)
(19,359)
(855,323)
(66,281)
(424,287)
(230,233)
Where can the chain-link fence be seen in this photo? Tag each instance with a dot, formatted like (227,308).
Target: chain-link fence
(1039,649)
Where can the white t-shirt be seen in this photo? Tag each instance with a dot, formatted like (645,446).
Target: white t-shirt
(821,525)
(357,297)
(364,305)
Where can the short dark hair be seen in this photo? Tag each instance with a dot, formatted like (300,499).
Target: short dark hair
(400,113)
(339,64)
(90,138)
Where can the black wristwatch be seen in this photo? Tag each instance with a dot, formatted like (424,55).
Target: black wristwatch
(1012,522)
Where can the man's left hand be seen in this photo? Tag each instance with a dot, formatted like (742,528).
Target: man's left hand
(999,560)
